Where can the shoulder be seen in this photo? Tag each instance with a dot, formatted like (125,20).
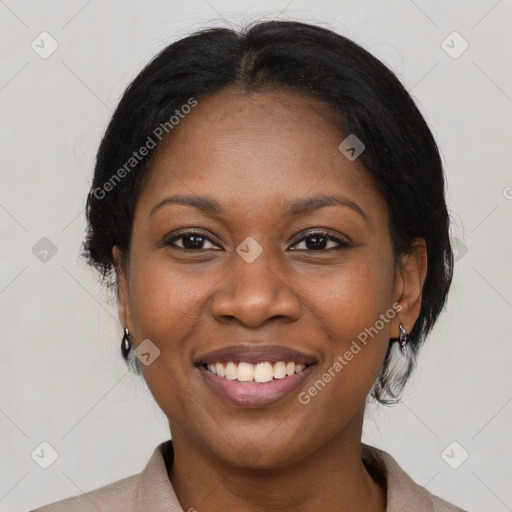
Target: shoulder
(119,496)
(148,491)
(403,493)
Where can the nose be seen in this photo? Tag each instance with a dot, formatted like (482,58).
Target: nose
(254,294)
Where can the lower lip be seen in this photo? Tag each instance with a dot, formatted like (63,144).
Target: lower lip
(255,394)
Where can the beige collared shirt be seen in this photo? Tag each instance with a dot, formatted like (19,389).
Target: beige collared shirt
(151,490)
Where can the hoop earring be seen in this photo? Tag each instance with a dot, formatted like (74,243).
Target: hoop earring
(126,343)
(403,338)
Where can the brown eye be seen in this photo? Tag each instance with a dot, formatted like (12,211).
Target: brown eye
(319,240)
(190,240)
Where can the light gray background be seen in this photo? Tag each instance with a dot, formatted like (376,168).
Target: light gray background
(62,378)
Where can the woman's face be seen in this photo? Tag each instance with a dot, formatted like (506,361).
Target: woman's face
(255,285)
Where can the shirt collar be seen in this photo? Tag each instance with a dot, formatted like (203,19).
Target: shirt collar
(402,493)
(156,494)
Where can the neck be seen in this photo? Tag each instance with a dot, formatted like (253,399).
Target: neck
(332,479)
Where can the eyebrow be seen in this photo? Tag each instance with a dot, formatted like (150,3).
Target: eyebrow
(294,207)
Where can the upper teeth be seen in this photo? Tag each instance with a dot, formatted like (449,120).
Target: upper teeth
(259,372)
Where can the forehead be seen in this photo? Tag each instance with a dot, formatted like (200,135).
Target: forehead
(255,149)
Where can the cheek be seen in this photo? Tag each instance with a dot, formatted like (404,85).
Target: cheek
(165,304)
(351,298)
(164,309)
(355,309)
(165,301)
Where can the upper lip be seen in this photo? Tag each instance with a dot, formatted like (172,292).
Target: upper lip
(255,353)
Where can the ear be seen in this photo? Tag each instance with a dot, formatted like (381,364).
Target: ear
(123,301)
(409,278)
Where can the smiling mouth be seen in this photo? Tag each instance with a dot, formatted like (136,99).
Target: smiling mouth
(255,374)
(261,372)
(255,385)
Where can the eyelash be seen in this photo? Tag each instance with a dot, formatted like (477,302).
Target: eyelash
(310,234)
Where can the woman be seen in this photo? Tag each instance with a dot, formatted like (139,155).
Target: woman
(269,207)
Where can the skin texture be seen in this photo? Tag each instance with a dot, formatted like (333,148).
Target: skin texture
(253,152)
